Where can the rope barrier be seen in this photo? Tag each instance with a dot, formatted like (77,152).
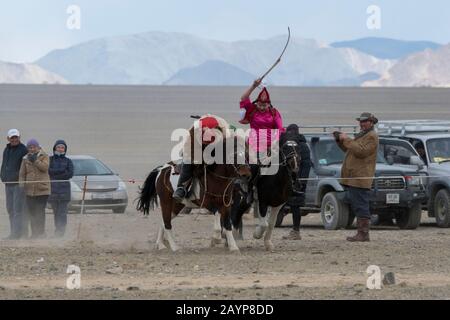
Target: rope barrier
(134,181)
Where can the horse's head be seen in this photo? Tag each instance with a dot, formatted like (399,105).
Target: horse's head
(290,155)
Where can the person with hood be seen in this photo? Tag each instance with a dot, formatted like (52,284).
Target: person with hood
(60,171)
(34,178)
(263,119)
(12,159)
(297,199)
(358,170)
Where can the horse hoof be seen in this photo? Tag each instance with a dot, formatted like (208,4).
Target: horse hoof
(176,249)
(160,247)
(259,232)
(235,250)
(269,247)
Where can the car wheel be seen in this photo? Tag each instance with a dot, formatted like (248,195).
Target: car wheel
(120,210)
(334,212)
(409,218)
(442,208)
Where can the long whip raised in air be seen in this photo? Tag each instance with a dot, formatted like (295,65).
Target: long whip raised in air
(281,55)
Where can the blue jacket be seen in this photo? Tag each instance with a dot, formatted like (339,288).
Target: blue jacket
(12,159)
(61,168)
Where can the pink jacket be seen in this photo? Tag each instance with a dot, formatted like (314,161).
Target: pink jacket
(261,124)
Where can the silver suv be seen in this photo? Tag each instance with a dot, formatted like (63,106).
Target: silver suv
(398,192)
(431,138)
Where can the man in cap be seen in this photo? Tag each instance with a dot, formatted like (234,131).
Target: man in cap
(12,159)
(358,170)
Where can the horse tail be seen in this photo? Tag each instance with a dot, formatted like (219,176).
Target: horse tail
(148,198)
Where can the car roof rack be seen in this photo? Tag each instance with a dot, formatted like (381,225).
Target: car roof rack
(328,129)
(401,127)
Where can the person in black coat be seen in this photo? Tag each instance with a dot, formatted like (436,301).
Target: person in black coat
(297,199)
(61,168)
(12,159)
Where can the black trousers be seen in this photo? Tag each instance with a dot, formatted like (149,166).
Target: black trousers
(36,211)
(296,217)
(359,199)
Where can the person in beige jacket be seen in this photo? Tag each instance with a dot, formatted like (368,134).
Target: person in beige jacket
(358,170)
(34,178)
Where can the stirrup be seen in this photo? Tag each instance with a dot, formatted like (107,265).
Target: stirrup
(180,193)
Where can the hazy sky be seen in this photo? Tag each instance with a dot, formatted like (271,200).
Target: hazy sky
(29,29)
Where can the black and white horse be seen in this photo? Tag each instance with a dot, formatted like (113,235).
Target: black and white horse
(273,191)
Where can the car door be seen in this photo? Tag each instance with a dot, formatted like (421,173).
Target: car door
(397,152)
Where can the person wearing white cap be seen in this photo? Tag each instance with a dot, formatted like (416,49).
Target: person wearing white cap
(12,159)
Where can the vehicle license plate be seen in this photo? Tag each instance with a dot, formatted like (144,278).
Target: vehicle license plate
(105,195)
(392,198)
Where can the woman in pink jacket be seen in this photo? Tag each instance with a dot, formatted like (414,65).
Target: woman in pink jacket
(266,126)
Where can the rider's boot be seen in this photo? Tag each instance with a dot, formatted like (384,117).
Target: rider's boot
(185,177)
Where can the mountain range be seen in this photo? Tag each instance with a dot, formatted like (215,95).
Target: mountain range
(162,58)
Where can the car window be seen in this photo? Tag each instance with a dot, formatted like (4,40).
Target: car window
(399,151)
(327,152)
(439,149)
(420,148)
(90,167)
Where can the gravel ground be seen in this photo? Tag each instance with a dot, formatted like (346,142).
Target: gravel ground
(117,259)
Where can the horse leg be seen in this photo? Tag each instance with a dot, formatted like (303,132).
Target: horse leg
(272,220)
(217,234)
(238,232)
(225,215)
(160,245)
(262,221)
(168,215)
(237,212)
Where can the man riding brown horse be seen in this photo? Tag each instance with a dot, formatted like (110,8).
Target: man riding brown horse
(208,129)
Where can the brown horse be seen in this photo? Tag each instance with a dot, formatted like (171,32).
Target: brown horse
(212,189)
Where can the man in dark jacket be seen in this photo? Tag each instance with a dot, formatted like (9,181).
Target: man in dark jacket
(61,168)
(297,199)
(12,159)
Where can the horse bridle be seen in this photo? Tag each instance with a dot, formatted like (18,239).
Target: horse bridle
(292,154)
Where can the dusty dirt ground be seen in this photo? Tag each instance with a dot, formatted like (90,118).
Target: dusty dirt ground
(118,260)
(129,129)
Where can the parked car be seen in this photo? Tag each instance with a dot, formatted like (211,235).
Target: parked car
(399,191)
(432,139)
(104,188)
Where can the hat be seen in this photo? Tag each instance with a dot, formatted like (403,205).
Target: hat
(209,122)
(263,96)
(367,116)
(13,133)
(292,127)
(32,142)
(60,143)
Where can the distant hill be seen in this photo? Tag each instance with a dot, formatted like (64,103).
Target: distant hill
(160,57)
(384,48)
(430,68)
(213,73)
(27,74)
